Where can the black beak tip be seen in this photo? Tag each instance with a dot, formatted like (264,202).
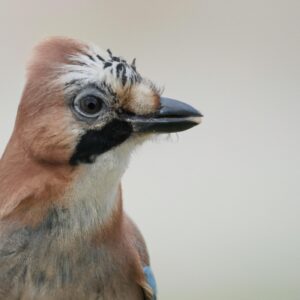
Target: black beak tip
(175,108)
(171,108)
(176,116)
(200,115)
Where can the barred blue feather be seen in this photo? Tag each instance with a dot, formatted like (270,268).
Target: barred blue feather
(151,280)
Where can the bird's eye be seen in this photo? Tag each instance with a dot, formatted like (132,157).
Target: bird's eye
(89,106)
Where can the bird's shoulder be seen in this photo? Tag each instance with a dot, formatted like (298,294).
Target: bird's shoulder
(136,239)
(149,283)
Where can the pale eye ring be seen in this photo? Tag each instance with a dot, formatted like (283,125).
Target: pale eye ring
(89,106)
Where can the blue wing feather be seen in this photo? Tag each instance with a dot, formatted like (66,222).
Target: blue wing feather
(151,280)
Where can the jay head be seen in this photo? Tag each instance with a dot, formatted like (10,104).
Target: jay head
(82,113)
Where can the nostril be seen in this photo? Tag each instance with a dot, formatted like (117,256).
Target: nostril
(122,112)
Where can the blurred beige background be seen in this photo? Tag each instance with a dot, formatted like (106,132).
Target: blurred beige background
(219,204)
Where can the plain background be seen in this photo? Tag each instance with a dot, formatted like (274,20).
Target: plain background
(219,204)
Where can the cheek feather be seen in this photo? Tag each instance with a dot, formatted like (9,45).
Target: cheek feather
(52,136)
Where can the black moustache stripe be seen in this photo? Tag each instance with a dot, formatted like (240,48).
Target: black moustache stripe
(96,142)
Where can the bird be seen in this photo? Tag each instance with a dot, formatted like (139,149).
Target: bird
(63,230)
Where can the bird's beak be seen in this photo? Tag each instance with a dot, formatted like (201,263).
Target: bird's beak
(172,116)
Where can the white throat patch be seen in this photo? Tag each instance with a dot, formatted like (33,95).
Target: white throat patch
(93,195)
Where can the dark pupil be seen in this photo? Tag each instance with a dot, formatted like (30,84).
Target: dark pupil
(90,105)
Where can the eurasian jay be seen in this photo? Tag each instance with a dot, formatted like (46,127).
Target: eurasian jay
(63,232)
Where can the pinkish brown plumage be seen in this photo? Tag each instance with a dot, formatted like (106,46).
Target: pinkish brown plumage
(64,234)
